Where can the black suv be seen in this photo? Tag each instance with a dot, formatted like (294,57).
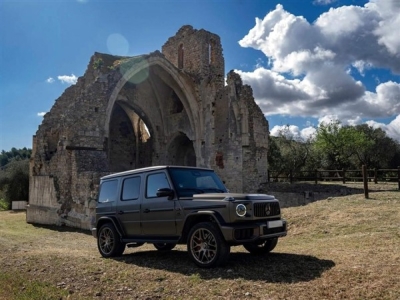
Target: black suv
(169,205)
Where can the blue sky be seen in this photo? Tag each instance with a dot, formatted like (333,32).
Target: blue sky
(307,61)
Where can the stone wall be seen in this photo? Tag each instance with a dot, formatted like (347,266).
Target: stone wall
(298,194)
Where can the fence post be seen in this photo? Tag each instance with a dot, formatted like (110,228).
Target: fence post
(398,176)
(268,176)
(365,180)
(316,176)
(376,175)
(344,176)
(291,176)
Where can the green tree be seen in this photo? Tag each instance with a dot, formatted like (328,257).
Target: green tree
(14,154)
(14,181)
(338,145)
(379,152)
(288,154)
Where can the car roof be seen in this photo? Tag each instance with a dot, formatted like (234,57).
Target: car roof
(148,169)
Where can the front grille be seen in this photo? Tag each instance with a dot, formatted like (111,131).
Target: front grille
(266,209)
(243,233)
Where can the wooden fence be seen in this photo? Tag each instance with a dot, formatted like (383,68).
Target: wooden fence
(362,175)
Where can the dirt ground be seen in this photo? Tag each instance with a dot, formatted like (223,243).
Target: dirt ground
(339,248)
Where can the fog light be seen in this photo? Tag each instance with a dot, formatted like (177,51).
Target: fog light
(241,210)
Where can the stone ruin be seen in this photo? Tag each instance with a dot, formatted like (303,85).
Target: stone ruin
(164,108)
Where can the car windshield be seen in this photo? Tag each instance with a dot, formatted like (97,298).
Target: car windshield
(188,182)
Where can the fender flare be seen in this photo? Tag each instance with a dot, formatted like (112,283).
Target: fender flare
(108,219)
(190,219)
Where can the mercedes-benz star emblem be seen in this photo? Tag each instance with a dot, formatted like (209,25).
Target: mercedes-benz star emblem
(267,209)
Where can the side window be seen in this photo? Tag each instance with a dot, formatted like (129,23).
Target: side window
(131,188)
(155,182)
(108,191)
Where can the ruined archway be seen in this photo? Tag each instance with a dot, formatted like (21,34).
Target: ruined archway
(168,107)
(154,91)
(180,151)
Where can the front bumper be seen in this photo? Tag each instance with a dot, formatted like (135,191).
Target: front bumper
(238,234)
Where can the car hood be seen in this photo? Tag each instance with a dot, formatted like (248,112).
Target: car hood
(232,196)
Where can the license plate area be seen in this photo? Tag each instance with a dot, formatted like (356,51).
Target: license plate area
(275,224)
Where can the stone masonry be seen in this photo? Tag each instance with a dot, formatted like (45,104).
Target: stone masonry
(163,108)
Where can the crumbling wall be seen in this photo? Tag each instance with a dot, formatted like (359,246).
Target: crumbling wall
(241,138)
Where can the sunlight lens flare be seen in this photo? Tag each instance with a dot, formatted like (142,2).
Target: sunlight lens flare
(135,71)
(117,44)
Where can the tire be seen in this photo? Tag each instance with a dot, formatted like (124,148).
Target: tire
(263,247)
(164,246)
(108,241)
(206,246)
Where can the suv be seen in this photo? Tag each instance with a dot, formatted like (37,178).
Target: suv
(170,205)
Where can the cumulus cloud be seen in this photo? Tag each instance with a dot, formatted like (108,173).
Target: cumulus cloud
(68,79)
(324,2)
(313,64)
(294,132)
(50,80)
(392,129)
(41,114)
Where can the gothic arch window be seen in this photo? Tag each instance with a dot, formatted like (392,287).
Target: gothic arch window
(180,56)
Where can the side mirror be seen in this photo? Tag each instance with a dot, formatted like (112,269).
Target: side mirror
(165,192)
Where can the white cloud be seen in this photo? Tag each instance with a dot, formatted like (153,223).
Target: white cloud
(387,29)
(392,129)
(327,119)
(50,80)
(308,133)
(41,114)
(324,2)
(320,58)
(362,66)
(294,132)
(68,79)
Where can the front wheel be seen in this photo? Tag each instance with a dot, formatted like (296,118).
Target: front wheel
(164,246)
(263,247)
(108,241)
(206,246)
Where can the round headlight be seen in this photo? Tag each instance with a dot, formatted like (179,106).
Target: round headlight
(241,210)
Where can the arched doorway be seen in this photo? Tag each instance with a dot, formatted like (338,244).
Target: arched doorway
(130,144)
(166,104)
(181,151)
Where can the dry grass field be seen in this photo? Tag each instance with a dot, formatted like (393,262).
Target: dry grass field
(339,248)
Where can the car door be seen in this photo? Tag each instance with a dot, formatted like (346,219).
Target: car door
(157,213)
(128,209)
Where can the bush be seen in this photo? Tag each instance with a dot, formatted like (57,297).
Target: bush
(14,183)
(4,205)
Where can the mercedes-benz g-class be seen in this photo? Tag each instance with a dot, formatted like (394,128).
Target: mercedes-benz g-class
(170,205)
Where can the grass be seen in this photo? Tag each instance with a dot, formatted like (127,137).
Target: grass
(339,248)
(13,286)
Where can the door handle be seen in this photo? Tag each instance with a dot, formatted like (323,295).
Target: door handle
(121,212)
(146,210)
